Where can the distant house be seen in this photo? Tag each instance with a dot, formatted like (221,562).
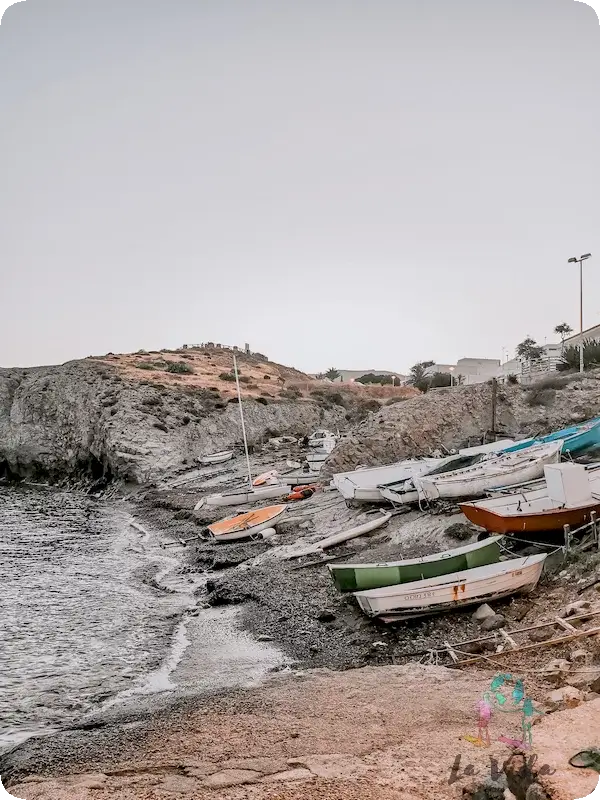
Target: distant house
(469,370)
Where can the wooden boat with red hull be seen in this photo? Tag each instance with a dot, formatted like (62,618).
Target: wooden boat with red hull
(528,522)
(570,496)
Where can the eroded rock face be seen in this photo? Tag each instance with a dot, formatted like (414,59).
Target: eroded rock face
(84,420)
(445,419)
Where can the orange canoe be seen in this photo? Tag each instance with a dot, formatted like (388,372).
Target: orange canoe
(244,526)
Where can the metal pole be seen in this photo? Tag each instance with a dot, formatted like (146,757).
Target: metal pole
(581,315)
(237,383)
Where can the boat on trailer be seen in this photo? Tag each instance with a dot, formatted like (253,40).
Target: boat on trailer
(568,497)
(501,470)
(360,577)
(454,591)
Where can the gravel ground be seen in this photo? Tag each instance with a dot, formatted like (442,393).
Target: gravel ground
(292,601)
(294,605)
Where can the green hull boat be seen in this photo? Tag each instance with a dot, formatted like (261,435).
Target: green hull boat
(358,577)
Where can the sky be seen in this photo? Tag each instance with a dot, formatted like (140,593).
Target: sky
(338,183)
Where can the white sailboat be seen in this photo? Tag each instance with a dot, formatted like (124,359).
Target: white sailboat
(249,493)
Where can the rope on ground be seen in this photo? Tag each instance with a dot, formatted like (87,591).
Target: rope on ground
(536,544)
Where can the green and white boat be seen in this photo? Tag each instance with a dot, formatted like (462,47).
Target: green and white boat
(359,577)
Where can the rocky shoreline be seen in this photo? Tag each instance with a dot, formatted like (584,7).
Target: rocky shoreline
(290,604)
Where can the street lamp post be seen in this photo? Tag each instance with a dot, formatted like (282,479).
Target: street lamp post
(451,371)
(580,261)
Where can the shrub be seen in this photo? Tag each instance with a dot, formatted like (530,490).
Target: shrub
(440,379)
(179,367)
(537,396)
(227,376)
(232,401)
(245,379)
(290,394)
(145,365)
(266,377)
(185,420)
(382,380)
(161,426)
(262,400)
(512,379)
(591,356)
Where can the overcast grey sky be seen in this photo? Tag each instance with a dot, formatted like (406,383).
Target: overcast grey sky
(357,184)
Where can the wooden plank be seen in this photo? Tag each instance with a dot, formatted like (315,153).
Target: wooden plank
(549,643)
(458,645)
(566,626)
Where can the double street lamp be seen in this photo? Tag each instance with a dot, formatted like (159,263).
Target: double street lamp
(580,261)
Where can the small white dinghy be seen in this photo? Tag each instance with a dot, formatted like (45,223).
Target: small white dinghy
(363,485)
(501,470)
(317,438)
(216,458)
(246,526)
(243,495)
(448,592)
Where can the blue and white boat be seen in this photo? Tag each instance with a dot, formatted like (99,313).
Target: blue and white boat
(576,438)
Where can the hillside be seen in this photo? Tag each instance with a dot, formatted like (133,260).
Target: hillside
(129,417)
(446,418)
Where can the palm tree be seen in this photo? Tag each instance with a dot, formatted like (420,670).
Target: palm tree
(418,375)
(332,374)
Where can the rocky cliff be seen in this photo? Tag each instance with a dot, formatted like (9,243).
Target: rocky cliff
(137,417)
(95,420)
(452,418)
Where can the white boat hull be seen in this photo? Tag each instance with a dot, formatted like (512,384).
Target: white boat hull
(519,575)
(243,496)
(502,470)
(404,497)
(216,458)
(363,485)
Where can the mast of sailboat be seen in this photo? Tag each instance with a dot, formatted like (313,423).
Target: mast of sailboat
(237,383)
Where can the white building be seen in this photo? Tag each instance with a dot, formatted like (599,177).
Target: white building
(589,334)
(467,371)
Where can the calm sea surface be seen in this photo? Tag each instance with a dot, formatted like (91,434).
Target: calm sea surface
(78,624)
